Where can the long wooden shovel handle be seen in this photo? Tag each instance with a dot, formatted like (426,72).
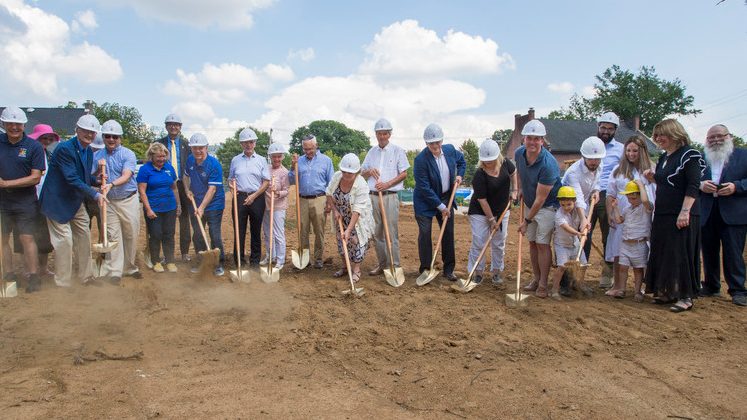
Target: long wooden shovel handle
(386,231)
(587,220)
(298,210)
(102,209)
(345,252)
(443,223)
(237,241)
(272,223)
(518,258)
(487,243)
(199,222)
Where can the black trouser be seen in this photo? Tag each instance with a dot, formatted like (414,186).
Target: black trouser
(254,213)
(161,233)
(425,245)
(729,239)
(184,219)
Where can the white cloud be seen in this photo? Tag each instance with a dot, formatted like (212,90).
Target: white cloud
(84,21)
(306,54)
(225,14)
(405,49)
(588,91)
(560,87)
(38,55)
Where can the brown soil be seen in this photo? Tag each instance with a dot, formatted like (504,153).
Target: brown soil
(299,348)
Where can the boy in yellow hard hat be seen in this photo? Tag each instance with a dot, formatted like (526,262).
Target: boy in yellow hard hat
(568,231)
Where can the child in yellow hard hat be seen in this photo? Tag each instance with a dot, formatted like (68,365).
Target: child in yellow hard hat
(568,231)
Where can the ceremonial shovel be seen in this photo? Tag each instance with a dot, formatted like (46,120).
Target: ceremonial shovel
(356,291)
(426,276)
(104,247)
(272,274)
(517,299)
(395,276)
(574,267)
(10,289)
(210,257)
(300,257)
(238,274)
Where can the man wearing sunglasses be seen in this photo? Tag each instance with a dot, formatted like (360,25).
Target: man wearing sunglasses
(123,211)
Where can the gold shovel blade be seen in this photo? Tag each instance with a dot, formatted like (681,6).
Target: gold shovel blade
(357,292)
(464,286)
(395,279)
(272,277)
(244,276)
(427,276)
(514,301)
(9,290)
(300,261)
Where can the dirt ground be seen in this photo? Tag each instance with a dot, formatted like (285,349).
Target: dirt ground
(209,348)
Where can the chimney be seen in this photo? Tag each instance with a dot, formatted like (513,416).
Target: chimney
(531,114)
(637,123)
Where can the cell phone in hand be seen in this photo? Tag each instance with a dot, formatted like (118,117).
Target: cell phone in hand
(722,186)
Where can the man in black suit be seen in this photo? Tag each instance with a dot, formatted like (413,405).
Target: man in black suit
(723,199)
(179,151)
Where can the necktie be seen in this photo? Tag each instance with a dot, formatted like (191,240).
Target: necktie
(174,160)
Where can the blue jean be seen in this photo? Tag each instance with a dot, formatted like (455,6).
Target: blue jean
(161,231)
(213,219)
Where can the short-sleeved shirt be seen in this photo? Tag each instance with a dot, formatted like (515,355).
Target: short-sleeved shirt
(117,161)
(571,219)
(17,161)
(496,189)
(202,176)
(249,172)
(390,161)
(636,222)
(313,174)
(543,171)
(158,189)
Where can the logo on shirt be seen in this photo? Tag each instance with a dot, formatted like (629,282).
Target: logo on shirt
(22,152)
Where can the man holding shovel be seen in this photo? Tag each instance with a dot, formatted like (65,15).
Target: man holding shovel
(385,168)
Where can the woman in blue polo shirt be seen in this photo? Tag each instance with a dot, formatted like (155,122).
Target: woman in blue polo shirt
(156,183)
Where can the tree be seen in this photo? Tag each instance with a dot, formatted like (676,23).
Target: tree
(472,156)
(331,136)
(738,141)
(503,137)
(410,180)
(231,147)
(628,95)
(133,127)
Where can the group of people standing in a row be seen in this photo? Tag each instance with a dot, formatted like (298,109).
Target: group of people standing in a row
(649,215)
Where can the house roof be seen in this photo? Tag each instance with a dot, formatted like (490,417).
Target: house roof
(566,136)
(62,120)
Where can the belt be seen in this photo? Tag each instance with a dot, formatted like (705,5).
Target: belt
(246,193)
(635,241)
(382,192)
(125,197)
(312,196)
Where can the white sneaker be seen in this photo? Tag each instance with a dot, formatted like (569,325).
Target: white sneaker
(264,261)
(279,267)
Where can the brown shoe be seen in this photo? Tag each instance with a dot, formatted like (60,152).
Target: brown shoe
(531,286)
(376,271)
(541,292)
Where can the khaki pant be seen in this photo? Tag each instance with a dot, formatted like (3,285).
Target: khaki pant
(391,207)
(123,227)
(75,234)
(312,214)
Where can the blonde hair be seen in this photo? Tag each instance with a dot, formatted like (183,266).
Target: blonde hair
(673,129)
(156,148)
(644,161)
(498,163)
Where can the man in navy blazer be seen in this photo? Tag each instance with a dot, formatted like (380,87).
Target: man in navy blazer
(437,169)
(67,185)
(723,199)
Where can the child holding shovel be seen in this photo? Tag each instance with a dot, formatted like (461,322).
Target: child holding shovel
(568,231)
(636,228)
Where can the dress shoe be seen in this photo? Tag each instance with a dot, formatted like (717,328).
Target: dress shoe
(376,271)
(739,300)
(450,277)
(704,292)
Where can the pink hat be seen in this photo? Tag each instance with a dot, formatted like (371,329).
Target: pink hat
(42,129)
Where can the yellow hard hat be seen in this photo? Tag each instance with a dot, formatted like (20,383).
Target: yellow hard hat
(566,192)
(631,187)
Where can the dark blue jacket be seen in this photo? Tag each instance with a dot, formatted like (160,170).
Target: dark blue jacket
(184,152)
(427,195)
(68,181)
(733,208)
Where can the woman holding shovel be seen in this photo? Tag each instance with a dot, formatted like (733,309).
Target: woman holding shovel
(279,185)
(347,196)
(494,185)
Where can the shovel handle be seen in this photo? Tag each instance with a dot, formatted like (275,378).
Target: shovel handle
(518,258)
(345,252)
(443,224)
(587,220)
(487,243)
(272,223)
(386,230)
(199,222)
(298,209)
(237,242)
(102,209)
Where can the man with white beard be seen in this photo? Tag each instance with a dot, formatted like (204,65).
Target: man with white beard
(723,199)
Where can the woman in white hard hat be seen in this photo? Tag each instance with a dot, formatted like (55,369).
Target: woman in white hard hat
(347,197)
(279,185)
(494,184)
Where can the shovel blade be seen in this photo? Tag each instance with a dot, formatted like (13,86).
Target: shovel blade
(463,286)
(272,277)
(9,290)
(357,292)
(300,258)
(514,301)
(104,249)
(242,276)
(395,279)
(426,277)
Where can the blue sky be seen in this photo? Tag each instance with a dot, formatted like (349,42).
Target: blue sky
(469,66)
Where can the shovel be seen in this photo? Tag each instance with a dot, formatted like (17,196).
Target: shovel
(300,257)
(426,276)
(465,286)
(10,289)
(395,276)
(238,274)
(210,257)
(574,267)
(516,299)
(355,291)
(105,246)
(272,274)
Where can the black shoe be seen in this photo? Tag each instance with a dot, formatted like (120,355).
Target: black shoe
(565,291)
(91,282)
(136,275)
(477,279)
(450,277)
(116,281)
(34,284)
(739,300)
(704,292)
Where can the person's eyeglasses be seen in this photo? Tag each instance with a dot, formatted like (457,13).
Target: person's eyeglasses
(173,125)
(718,136)
(111,136)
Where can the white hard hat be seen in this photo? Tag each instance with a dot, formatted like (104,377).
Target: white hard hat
(89,122)
(111,127)
(276,148)
(433,133)
(593,148)
(247,134)
(609,117)
(350,163)
(489,150)
(13,114)
(383,125)
(198,139)
(98,142)
(172,118)
(534,128)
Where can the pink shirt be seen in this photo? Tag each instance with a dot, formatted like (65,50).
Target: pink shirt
(280,176)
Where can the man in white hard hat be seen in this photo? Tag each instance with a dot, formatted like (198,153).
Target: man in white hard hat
(123,211)
(204,179)
(314,174)
(438,169)
(21,169)
(179,151)
(539,176)
(279,187)
(252,176)
(385,168)
(67,185)
(607,125)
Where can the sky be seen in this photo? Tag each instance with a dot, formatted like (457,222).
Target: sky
(469,66)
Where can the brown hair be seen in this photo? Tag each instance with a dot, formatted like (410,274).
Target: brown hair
(673,129)
(644,161)
(156,148)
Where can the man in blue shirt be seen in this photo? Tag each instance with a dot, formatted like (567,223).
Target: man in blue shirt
(539,177)
(204,181)
(123,211)
(314,174)
(22,165)
(252,175)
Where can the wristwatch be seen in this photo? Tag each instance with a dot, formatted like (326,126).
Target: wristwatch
(528,220)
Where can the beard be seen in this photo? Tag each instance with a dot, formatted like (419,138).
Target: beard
(606,137)
(719,153)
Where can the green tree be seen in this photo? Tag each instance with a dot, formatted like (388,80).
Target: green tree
(410,180)
(133,127)
(739,142)
(471,155)
(630,94)
(231,147)
(503,138)
(331,136)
